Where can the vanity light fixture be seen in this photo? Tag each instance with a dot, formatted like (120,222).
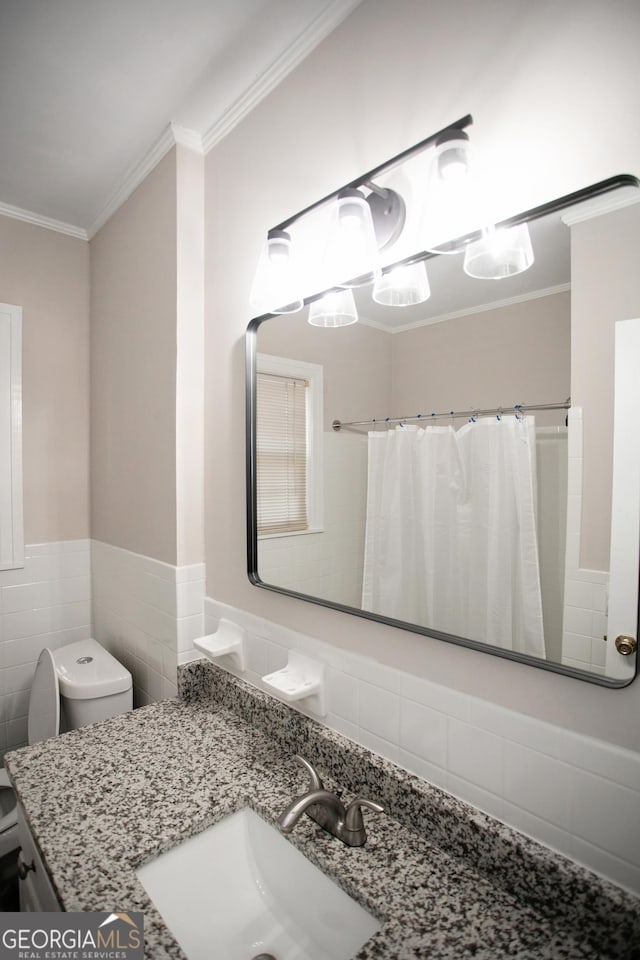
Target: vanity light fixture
(366,200)
(403,286)
(275,288)
(355,235)
(388,212)
(499,253)
(334,309)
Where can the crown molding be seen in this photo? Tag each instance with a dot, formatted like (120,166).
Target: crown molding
(187,138)
(134,177)
(172,135)
(608,203)
(27,216)
(295,53)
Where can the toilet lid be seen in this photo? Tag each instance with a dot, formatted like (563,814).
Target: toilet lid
(44,700)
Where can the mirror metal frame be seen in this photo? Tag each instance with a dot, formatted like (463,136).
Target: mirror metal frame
(599,189)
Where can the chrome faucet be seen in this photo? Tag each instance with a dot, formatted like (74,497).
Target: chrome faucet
(328,810)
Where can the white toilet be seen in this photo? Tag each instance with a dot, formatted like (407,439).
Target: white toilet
(72,687)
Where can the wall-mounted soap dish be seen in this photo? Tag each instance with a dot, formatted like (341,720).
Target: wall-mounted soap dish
(302,680)
(227,641)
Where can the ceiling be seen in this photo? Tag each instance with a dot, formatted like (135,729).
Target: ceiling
(93,91)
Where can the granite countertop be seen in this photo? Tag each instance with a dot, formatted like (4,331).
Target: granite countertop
(445,880)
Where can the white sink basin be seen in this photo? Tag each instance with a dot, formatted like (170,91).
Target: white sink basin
(239,890)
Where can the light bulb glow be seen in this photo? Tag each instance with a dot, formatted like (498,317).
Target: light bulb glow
(352,214)
(453,162)
(452,155)
(278,253)
(351,253)
(499,253)
(454,205)
(403,286)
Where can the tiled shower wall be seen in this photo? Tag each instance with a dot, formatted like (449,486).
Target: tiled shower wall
(146,613)
(327,564)
(586,591)
(47,603)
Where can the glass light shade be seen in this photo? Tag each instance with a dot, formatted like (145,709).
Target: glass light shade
(403,286)
(352,249)
(453,208)
(334,309)
(499,253)
(275,287)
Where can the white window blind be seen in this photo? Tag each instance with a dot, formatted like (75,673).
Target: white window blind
(281,453)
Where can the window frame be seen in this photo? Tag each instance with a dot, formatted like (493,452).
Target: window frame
(277,366)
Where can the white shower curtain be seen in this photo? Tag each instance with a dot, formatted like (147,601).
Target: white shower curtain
(451,531)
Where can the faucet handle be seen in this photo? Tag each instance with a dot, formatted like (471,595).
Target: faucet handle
(315,783)
(353,820)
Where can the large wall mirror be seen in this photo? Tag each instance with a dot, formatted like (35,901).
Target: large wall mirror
(467,466)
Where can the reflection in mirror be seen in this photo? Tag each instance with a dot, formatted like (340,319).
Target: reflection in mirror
(468,449)
(11,532)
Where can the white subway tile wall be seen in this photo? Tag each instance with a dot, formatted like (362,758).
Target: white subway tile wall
(577,795)
(146,613)
(46,603)
(328,563)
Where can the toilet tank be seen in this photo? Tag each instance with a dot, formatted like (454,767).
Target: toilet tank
(93,684)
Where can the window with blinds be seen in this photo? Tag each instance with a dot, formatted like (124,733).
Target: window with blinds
(281,453)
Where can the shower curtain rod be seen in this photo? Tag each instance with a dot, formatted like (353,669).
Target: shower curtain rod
(495,412)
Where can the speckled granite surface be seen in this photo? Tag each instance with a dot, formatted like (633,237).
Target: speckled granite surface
(447,882)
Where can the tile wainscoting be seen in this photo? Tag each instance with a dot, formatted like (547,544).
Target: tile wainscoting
(577,795)
(46,603)
(143,611)
(327,563)
(146,613)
